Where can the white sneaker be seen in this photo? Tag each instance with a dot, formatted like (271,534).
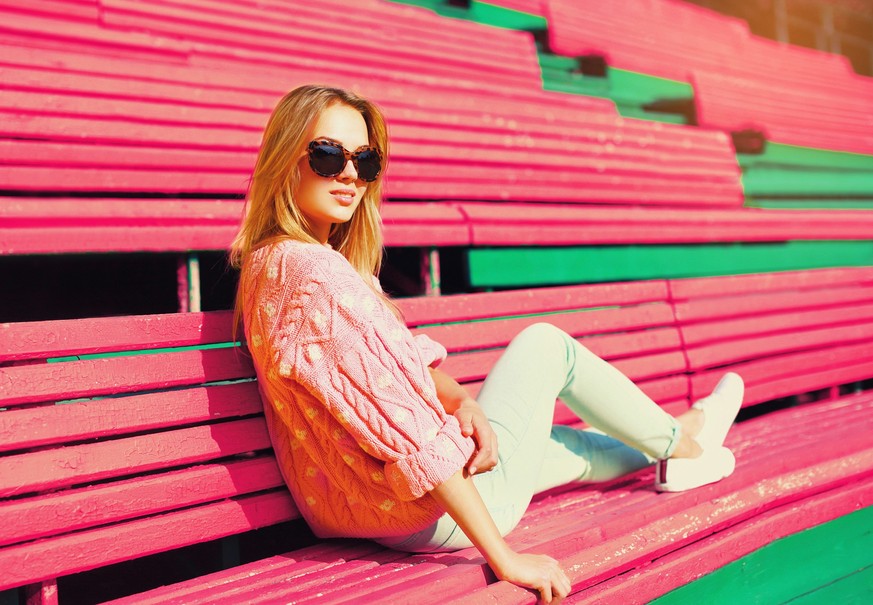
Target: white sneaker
(720,409)
(680,474)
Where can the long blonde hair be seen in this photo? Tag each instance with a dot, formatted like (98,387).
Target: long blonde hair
(271,214)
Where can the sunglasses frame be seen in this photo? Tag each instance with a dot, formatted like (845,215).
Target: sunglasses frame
(347,155)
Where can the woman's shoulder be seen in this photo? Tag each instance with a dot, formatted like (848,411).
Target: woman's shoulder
(296,262)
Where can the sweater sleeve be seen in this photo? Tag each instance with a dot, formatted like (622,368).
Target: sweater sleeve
(432,352)
(340,342)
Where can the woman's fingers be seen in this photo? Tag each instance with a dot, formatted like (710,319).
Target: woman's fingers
(486,455)
(474,423)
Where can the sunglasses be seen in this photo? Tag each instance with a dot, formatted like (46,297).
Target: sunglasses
(327,158)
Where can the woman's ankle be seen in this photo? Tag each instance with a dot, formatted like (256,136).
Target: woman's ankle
(687,448)
(691,421)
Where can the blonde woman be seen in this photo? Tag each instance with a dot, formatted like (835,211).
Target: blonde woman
(373,440)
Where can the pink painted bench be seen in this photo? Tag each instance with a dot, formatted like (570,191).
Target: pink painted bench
(111,458)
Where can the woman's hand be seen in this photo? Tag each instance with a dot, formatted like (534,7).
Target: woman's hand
(540,572)
(475,424)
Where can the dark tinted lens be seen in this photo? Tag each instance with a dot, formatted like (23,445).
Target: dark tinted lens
(369,165)
(326,160)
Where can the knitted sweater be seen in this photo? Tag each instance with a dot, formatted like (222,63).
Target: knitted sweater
(353,414)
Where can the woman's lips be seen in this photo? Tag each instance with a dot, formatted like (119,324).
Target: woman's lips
(344,196)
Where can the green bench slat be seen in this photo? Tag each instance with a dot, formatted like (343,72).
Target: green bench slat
(807,567)
(518,267)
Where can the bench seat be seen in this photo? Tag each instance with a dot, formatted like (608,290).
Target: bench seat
(599,533)
(145,434)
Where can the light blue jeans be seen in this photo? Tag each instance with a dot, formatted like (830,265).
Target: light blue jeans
(543,363)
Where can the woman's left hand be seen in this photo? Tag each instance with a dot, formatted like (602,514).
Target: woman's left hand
(475,424)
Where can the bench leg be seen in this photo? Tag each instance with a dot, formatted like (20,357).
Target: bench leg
(44,593)
(430,271)
(188,283)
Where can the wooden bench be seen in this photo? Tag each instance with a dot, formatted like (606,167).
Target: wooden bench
(145,434)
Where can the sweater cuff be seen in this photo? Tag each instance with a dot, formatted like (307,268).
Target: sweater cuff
(413,476)
(432,352)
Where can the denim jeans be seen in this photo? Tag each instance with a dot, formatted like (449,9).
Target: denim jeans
(543,363)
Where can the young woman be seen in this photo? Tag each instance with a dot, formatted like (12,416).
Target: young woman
(373,440)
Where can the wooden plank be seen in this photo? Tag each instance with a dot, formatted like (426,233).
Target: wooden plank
(468,367)
(684,289)
(289,565)
(73,553)
(114,238)
(93,377)
(46,515)
(56,424)
(78,464)
(742,349)
(66,31)
(761,324)
(498,333)
(43,339)
(764,371)
(709,309)
(466,307)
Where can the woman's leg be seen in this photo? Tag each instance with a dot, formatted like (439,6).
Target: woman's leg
(540,364)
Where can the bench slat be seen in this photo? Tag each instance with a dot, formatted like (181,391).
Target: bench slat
(52,558)
(774,323)
(475,366)
(484,334)
(47,425)
(79,464)
(465,307)
(684,289)
(41,339)
(776,302)
(94,377)
(77,509)
(733,351)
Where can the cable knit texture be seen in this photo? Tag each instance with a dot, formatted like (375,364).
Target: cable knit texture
(358,430)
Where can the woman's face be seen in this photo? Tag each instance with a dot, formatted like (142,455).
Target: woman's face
(329,200)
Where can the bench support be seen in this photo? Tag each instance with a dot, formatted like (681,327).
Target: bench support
(44,593)
(188,283)
(430,271)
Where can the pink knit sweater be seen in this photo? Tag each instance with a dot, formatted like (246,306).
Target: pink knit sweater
(352,410)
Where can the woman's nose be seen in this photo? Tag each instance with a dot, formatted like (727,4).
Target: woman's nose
(349,172)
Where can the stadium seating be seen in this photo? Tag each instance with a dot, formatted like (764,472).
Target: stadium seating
(794,95)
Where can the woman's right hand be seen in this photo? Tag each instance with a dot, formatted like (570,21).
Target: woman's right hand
(540,572)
